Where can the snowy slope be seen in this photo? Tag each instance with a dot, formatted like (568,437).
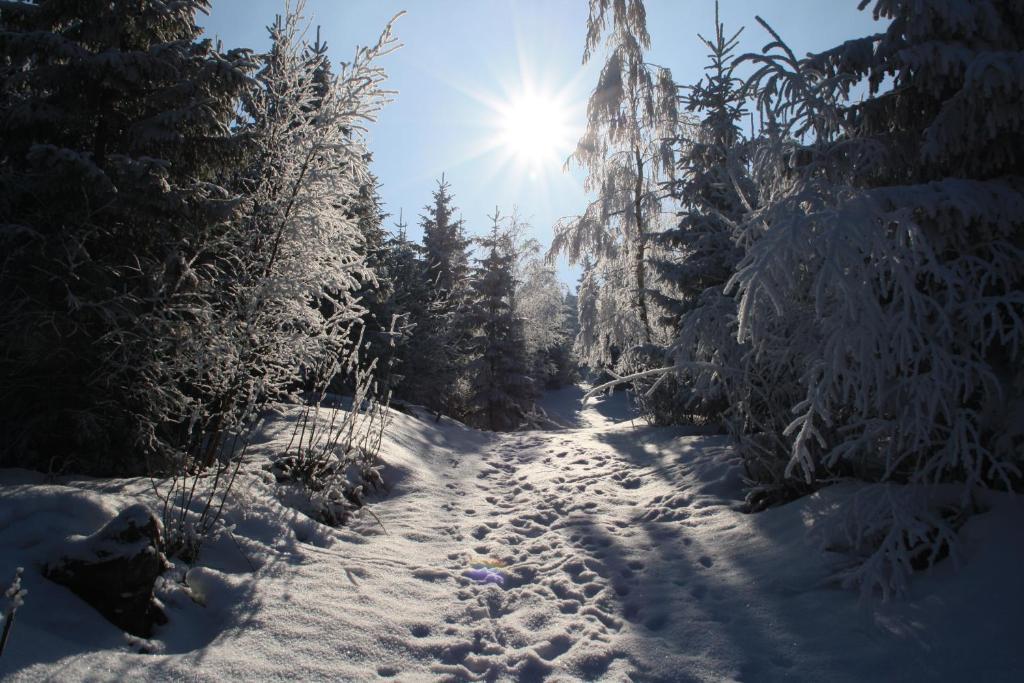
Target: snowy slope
(616,552)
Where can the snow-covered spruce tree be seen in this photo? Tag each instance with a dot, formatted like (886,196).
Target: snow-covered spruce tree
(377,327)
(501,387)
(116,140)
(435,366)
(715,193)
(710,175)
(629,115)
(571,364)
(540,303)
(886,271)
(397,301)
(590,343)
(445,245)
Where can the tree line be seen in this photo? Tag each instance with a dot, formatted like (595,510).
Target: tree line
(475,329)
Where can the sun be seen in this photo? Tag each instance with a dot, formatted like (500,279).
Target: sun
(526,128)
(534,129)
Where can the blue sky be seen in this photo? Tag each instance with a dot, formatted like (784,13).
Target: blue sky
(461,59)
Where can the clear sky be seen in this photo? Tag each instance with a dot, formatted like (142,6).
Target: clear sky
(475,77)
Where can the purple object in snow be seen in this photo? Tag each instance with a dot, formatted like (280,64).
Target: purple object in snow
(485,575)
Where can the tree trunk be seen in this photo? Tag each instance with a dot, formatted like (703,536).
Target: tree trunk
(641,234)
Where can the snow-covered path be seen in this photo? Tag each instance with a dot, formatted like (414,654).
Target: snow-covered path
(623,553)
(598,571)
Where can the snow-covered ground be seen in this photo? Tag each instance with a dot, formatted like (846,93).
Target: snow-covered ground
(616,552)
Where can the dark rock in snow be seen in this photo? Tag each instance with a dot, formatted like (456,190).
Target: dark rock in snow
(115,568)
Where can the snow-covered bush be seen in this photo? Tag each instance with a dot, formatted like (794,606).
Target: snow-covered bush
(332,457)
(899,264)
(881,533)
(882,291)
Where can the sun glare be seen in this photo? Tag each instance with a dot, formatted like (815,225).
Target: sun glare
(527,129)
(535,130)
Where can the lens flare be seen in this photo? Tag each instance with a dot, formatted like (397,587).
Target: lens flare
(535,130)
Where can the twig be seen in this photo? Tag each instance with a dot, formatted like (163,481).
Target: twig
(241,552)
(8,622)
(16,595)
(374,515)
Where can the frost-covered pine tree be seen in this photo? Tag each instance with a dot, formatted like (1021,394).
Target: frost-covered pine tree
(884,279)
(701,251)
(374,291)
(710,181)
(588,337)
(629,115)
(395,304)
(445,246)
(435,366)
(116,145)
(501,387)
(540,304)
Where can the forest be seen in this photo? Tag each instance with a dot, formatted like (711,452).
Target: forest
(790,373)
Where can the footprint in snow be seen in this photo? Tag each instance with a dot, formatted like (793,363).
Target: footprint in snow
(657,622)
(555,647)
(419,630)
(430,575)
